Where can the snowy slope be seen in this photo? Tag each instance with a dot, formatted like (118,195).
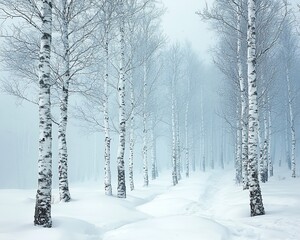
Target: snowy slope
(206,206)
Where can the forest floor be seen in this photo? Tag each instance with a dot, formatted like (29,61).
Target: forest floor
(206,206)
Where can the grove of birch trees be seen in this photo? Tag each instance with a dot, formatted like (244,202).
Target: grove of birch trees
(257,49)
(108,66)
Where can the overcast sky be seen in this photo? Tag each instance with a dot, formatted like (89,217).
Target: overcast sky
(181,23)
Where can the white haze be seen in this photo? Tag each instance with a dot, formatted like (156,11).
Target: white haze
(19,119)
(181,23)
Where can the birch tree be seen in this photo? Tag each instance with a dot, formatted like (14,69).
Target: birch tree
(66,62)
(243,96)
(174,160)
(42,215)
(174,56)
(186,120)
(134,25)
(107,172)
(132,30)
(178,142)
(256,204)
(266,34)
(270,161)
(62,127)
(75,44)
(121,191)
(38,16)
(192,76)
(228,16)
(145,82)
(108,23)
(154,168)
(187,162)
(288,50)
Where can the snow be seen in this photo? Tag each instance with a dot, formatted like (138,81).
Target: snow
(205,206)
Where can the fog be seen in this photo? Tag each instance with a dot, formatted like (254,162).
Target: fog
(19,119)
(19,142)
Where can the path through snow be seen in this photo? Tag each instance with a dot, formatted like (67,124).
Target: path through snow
(210,206)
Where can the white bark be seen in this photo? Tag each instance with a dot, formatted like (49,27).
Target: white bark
(270,142)
(187,161)
(174,160)
(42,214)
(238,162)
(178,150)
(121,192)
(153,151)
(107,172)
(145,150)
(287,147)
(131,29)
(193,154)
(243,98)
(131,133)
(256,203)
(202,133)
(265,148)
(261,154)
(62,128)
(292,124)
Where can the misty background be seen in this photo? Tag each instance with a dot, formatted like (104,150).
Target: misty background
(19,119)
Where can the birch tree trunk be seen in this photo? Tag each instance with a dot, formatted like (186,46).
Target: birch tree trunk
(256,203)
(261,154)
(42,215)
(243,97)
(107,172)
(287,147)
(266,148)
(145,150)
(153,151)
(64,193)
(174,160)
(261,150)
(270,142)
(202,133)
(193,153)
(245,172)
(131,133)
(187,161)
(292,124)
(121,192)
(238,162)
(155,158)
(178,150)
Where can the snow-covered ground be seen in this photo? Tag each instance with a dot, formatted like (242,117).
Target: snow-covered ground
(207,206)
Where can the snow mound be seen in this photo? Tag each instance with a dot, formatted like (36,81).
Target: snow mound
(207,206)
